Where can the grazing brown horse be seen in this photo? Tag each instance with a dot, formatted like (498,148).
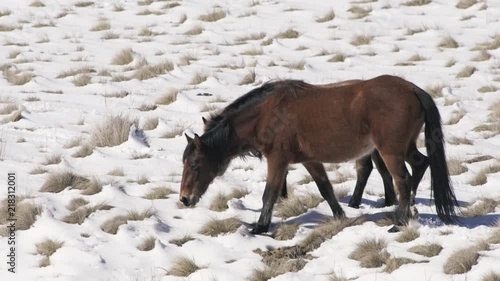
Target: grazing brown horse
(364,165)
(294,122)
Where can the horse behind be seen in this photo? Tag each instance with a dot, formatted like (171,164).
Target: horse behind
(292,121)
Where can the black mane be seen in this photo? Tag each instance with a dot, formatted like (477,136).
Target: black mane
(252,98)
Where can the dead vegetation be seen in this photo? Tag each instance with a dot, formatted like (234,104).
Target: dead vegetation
(216,227)
(461,261)
(297,205)
(427,250)
(123,57)
(480,207)
(58,181)
(76,203)
(147,244)
(285,231)
(79,216)
(113,131)
(169,97)
(408,234)
(183,267)
(181,241)
(370,253)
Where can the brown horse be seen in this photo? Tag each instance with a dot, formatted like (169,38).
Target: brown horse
(295,122)
(364,165)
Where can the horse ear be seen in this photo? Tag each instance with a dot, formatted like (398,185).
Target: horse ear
(189,139)
(197,141)
(204,120)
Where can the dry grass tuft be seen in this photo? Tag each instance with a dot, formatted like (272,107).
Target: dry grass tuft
(461,261)
(359,12)
(150,124)
(102,24)
(174,132)
(48,247)
(326,230)
(495,236)
(288,34)
(6,28)
(169,97)
(239,192)
(113,131)
(488,89)
(16,78)
(460,140)
(117,172)
(183,267)
(327,17)
(427,250)
(338,57)
(38,171)
(481,177)
(111,226)
(76,71)
(123,57)
(466,72)
(456,167)
(416,3)
(84,4)
(195,30)
(216,227)
(407,235)
(298,65)
(495,110)
(479,159)
(119,94)
(148,71)
(491,276)
(76,203)
(82,80)
(79,216)
(482,56)
(277,267)
(295,205)
(85,150)
(147,107)
(464,4)
(52,160)
(140,216)
(480,208)
(158,193)
(219,202)
(285,231)
(448,42)
(198,78)
(181,241)
(44,262)
(9,108)
(213,16)
(360,40)
(57,182)
(25,215)
(370,253)
(249,78)
(393,264)
(147,244)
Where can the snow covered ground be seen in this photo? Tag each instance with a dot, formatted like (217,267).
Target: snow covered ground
(68,66)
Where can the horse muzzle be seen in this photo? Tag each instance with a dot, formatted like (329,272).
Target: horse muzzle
(189,200)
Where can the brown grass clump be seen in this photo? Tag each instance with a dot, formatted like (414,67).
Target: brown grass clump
(57,182)
(466,72)
(147,244)
(111,226)
(393,264)
(338,57)
(150,124)
(158,193)
(288,34)
(327,230)
(213,16)
(52,160)
(448,42)
(427,250)
(44,262)
(249,78)
(455,166)
(76,71)
(195,30)
(295,206)
(102,24)
(38,171)
(407,235)
(183,267)
(85,150)
(75,203)
(219,202)
(48,247)
(480,208)
(482,56)
(123,57)
(416,3)
(359,12)
(360,40)
(491,276)
(9,108)
(25,215)
(198,78)
(181,241)
(481,177)
(460,140)
(488,89)
(82,80)
(148,71)
(370,253)
(216,227)
(327,17)
(16,78)
(277,267)
(169,97)
(285,231)
(464,4)
(79,216)
(461,261)
(84,4)
(495,236)
(140,216)
(113,131)
(117,172)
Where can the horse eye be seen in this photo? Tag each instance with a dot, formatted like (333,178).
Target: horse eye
(193,166)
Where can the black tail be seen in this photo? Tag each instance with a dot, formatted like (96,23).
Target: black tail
(444,199)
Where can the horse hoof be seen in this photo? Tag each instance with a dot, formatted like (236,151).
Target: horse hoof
(414,212)
(355,206)
(394,229)
(259,229)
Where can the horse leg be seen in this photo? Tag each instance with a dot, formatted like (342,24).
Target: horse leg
(364,167)
(418,163)
(396,166)
(284,191)
(390,195)
(318,173)
(276,172)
